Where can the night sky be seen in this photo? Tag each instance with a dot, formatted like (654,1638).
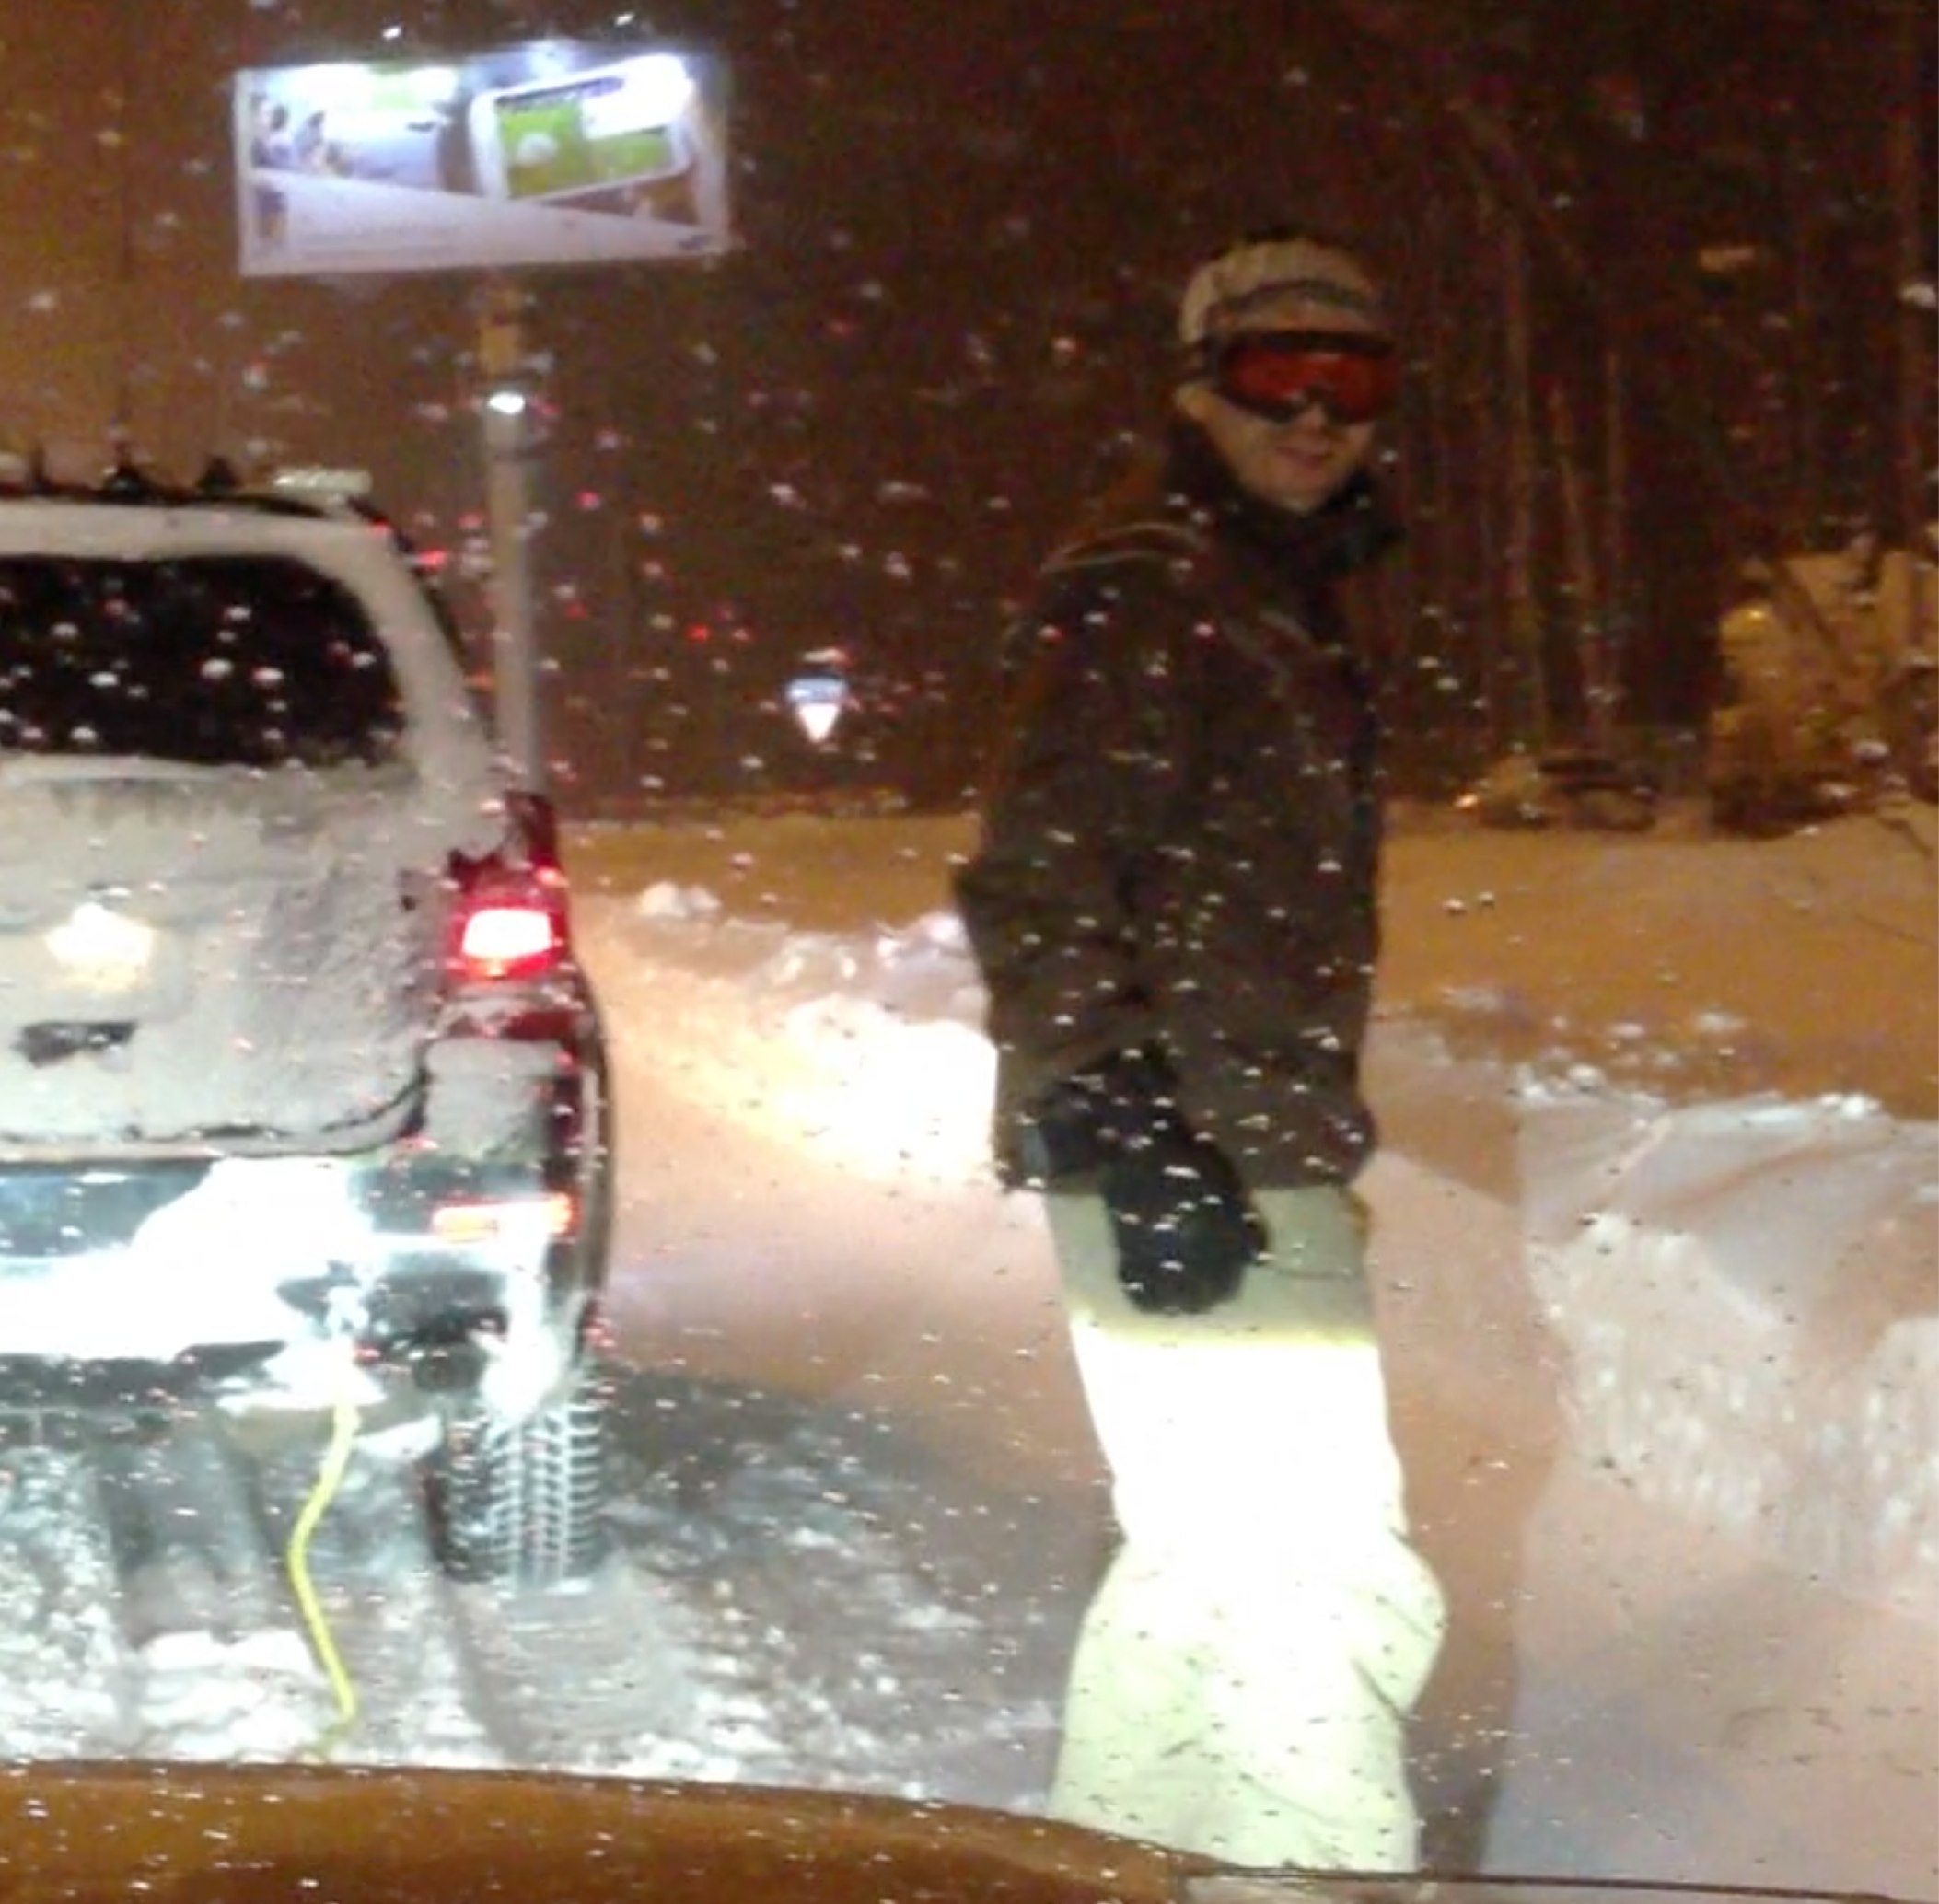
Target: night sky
(961,229)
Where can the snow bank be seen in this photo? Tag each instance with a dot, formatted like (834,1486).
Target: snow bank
(1745,1294)
(865,1048)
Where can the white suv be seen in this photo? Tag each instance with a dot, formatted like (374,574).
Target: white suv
(303,1093)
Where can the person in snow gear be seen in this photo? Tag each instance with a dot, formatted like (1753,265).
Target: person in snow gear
(1172,903)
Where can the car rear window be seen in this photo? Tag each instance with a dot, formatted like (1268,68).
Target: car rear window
(226,660)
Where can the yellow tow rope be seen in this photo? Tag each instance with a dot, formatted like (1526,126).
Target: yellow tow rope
(329,1480)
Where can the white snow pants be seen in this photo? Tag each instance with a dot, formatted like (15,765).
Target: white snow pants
(1245,1671)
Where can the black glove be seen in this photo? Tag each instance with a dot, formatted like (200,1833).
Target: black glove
(1185,1230)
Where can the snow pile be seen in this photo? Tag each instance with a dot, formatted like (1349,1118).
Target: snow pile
(1745,1290)
(867,1048)
(666,899)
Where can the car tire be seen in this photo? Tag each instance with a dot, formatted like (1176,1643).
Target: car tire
(523,1507)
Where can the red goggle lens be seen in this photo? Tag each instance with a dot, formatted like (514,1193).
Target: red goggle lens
(1278,373)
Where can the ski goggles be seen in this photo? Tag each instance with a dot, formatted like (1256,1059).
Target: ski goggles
(1276,374)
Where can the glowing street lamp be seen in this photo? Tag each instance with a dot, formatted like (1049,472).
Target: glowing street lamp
(820,694)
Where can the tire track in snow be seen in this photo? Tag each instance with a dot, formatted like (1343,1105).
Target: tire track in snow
(136,1616)
(478,1675)
(387,1606)
(588,1677)
(67,1675)
(221,1666)
(145,1611)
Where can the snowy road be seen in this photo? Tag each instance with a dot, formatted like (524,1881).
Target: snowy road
(859,1509)
(786,1585)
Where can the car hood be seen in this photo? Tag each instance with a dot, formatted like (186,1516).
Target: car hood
(83,1831)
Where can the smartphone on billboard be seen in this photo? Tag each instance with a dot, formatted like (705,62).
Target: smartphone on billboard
(584,132)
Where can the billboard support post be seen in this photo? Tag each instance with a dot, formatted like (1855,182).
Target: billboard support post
(549,152)
(504,410)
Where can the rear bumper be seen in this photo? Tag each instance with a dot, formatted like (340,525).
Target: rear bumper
(293,1281)
(458,1256)
(117,1332)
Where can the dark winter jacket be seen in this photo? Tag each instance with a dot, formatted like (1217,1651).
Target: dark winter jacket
(1179,844)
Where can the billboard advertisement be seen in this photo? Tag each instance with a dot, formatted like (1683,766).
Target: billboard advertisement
(555,152)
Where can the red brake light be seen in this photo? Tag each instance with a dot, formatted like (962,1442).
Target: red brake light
(511,925)
(510,920)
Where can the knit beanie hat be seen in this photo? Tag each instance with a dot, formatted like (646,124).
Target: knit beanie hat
(1258,272)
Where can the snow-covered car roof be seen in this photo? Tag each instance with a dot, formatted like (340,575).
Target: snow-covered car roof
(448,739)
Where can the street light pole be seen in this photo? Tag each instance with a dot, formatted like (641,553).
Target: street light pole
(505,415)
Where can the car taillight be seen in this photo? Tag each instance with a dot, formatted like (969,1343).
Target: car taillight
(511,919)
(510,924)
